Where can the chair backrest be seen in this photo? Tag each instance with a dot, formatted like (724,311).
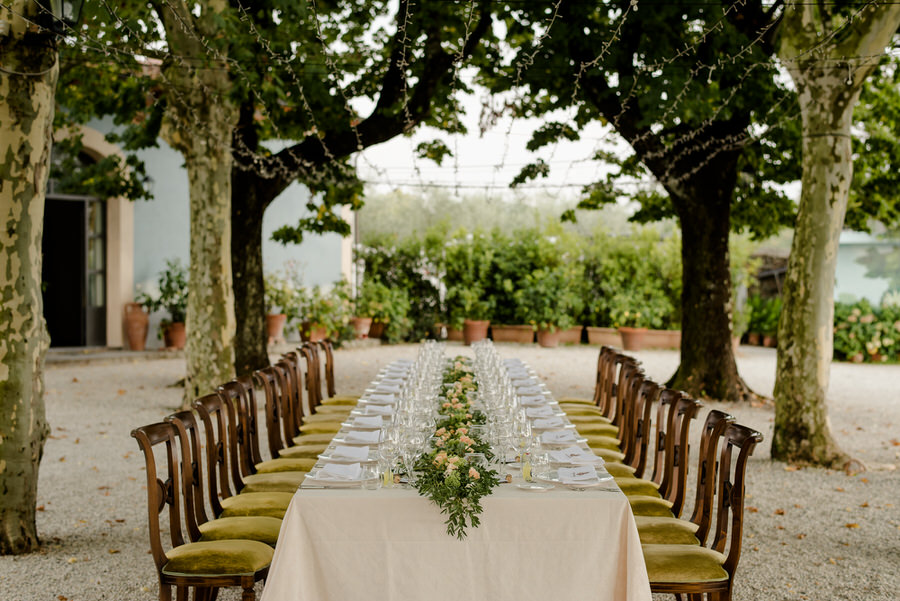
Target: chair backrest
(628,370)
(629,398)
(161,493)
(240,395)
(280,429)
(613,365)
(677,451)
(713,428)
(639,439)
(217,414)
(730,502)
(328,350)
(313,376)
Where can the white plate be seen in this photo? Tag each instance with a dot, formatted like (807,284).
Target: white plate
(561,445)
(373,458)
(311,482)
(535,487)
(352,426)
(353,443)
(552,477)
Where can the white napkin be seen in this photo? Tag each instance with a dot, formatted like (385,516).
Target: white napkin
(381,398)
(379,410)
(372,437)
(382,389)
(391,382)
(576,456)
(548,422)
(528,390)
(558,436)
(533,400)
(368,422)
(403,362)
(518,373)
(542,411)
(576,475)
(512,361)
(339,472)
(352,453)
(524,382)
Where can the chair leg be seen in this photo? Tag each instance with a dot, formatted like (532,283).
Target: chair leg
(181,593)
(165,592)
(213,593)
(249,594)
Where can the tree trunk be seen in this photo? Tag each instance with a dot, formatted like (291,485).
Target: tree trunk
(708,368)
(201,117)
(26,119)
(247,263)
(827,94)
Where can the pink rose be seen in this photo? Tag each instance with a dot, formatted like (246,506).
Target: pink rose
(473,473)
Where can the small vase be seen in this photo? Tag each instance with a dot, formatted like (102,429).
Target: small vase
(275,327)
(175,336)
(137,322)
(312,332)
(570,335)
(769,341)
(753,338)
(632,338)
(547,338)
(475,330)
(604,336)
(361,325)
(454,334)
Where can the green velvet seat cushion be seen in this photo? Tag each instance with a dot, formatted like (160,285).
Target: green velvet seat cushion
(619,470)
(218,558)
(583,411)
(286,464)
(636,487)
(273,482)
(310,439)
(683,564)
(272,504)
(666,531)
(608,455)
(652,506)
(252,527)
(576,401)
(589,419)
(309,451)
(599,429)
(598,441)
(326,415)
(341,400)
(326,410)
(321,427)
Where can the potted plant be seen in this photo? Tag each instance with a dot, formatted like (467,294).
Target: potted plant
(324,313)
(137,323)
(173,292)
(769,324)
(282,304)
(389,309)
(547,302)
(369,302)
(469,311)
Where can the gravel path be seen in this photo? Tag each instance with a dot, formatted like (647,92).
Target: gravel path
(810,534)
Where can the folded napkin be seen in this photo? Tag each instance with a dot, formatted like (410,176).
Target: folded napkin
(381,398)
(576,475)
(351,453)
(391,382)
(542,411)
(339,472)
(548,422)
(524,382)
(576,456)
(558,436)
(403,362)
(383,389)
(512,361)
(528,390)
(533,400)
(371,437)
(518,373)
(364,421)
(379,410)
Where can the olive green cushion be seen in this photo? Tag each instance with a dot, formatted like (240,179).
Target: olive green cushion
(598,441)
(652,506)
(619,470)
(286,464)
(589,419)
(329,416)
(310,439)
(582,411)
(272,504)
(341,400)
(683,564)
(273,482)
(634,487)
(576,401)
(309,451)
(326,410)
(599,429)
(321,427)
(666,531)
(608,455)
(217,558)
(252,527)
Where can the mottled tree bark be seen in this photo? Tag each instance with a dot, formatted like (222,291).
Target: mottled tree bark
(26,119)
(200,119)
(828,90)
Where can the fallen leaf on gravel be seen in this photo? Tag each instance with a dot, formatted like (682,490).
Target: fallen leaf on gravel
(832,561)
(801,536)
(756,548)
(61,598)
(113,551)
(798,505)
(752,509)
(839,489)
(122,391)
(895,442)
(120,520)
(780,527)
(779,512)
(40,508)
(75,379)
(102,488)
(864,480)
(864,505)
(791,468)
(62,458)
(77,440)
(72,560)
(852,525)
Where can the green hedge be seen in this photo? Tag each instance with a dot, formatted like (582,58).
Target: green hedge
(863,333)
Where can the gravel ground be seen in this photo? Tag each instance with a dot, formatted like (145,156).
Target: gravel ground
(809,533)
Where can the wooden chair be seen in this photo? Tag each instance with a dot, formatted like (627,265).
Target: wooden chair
(333,398)
(604,361)
(697,570)
(204,566)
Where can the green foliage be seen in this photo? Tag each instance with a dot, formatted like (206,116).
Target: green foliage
(744,268)
(107,177)
(863,333)
(387,305)
(467,262)
(328,309)
(549,299)
(283,294)
(173,293)
(764,314)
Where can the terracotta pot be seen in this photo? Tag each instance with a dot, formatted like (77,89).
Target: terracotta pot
(519,334)
(632,338)
(662,339)
(475,330)
(769,341)
(570,336)
(376,329)
(454,334)
(735,343)
(275,327)
(311,332)
(174,336)
(361,326)
(137,322)
(548,339)
(604,336)
(754,338)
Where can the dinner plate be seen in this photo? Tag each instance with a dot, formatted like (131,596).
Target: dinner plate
(372,458)
(311,482)
(564,444)
(535,487)
(552,477)
(353,443)
(358,428)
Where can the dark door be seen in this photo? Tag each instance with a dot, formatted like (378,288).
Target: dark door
(74,270)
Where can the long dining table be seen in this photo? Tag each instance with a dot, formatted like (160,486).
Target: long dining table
(391,544)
